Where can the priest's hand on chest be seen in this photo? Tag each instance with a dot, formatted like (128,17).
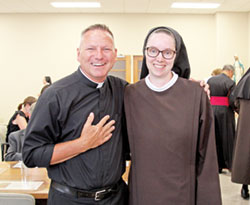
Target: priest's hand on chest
(93,136)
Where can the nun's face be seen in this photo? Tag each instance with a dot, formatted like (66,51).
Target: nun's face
(160,65)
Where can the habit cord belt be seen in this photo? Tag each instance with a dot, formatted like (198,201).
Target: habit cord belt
(99,194)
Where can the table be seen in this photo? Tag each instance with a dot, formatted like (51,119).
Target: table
(37,182)
(9,175)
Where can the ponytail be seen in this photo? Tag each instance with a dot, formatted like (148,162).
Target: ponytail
(29,100)
(20,106)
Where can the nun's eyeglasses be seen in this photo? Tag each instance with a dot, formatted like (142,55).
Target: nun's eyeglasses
(154,52)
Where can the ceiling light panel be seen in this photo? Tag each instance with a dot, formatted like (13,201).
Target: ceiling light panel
(76,4)
(193,5)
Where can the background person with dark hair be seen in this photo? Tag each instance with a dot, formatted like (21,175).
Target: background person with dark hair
(43,89)
(16,139)
(47,80)
(21,117)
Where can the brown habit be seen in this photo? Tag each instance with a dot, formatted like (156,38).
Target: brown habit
(241,161)
(172,144)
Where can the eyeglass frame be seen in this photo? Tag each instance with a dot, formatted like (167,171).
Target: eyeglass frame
(174,52)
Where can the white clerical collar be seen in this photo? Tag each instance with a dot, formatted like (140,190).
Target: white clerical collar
(99,85)
(163,88)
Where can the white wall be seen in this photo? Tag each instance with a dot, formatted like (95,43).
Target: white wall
(35,45)
(232,37)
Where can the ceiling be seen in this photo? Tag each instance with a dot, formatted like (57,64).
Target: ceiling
(122,6)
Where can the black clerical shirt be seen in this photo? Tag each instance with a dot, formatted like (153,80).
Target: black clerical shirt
(59,116)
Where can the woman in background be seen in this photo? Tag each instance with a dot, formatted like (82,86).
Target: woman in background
(43,89)
(20,118)
(47,80)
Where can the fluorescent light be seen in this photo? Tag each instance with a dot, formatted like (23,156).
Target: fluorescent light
(76,4)
(190,5)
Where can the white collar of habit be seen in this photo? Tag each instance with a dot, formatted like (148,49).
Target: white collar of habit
(164,87)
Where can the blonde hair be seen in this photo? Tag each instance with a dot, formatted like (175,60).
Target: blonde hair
(216,71)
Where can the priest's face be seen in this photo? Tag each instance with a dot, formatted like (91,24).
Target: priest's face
(160,56)
(96,54)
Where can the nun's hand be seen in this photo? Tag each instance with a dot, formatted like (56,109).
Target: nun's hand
(204,85)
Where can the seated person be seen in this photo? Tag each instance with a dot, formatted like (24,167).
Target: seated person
(21,117)
(14,152)
(16,139)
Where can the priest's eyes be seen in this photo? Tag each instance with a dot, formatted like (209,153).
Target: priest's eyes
(105,50)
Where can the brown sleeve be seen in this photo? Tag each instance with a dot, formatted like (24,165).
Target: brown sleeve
(208,186)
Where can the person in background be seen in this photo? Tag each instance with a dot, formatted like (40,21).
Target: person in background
(77,130)
(170,129)
(16,139)
(215,72)
(47,80)
(221,87)
(241,159)
(21,117)
(43,89)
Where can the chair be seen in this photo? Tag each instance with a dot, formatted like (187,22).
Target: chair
(16,199)
(4,147)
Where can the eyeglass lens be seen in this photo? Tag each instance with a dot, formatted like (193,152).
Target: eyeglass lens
(154,52)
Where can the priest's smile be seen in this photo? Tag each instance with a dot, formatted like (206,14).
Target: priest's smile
(98,64)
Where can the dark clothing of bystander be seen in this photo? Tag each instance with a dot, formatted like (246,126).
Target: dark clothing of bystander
(220,88)
(12,127)
(241,160)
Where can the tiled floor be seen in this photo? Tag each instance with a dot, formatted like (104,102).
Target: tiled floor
(231,191)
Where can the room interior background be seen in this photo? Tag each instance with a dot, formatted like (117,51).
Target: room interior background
(35,45)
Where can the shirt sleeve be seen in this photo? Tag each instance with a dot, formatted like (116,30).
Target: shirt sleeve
(42,131)
(208,186)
